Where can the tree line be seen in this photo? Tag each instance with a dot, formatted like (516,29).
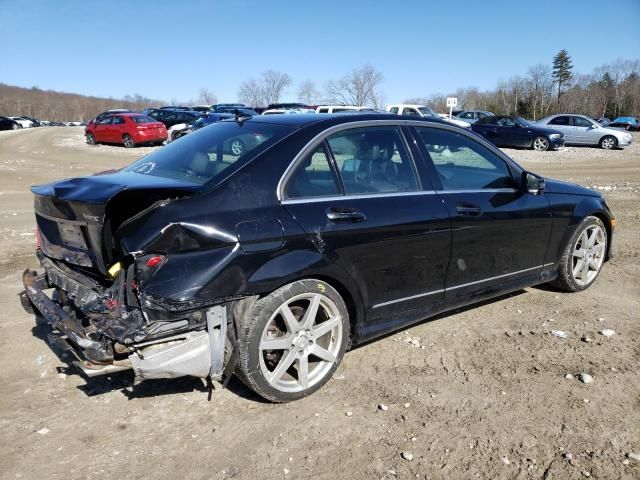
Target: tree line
(609,90)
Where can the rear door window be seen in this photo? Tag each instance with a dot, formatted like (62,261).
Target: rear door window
(563,120)
(464,164)
(313,177)
(373,160)
(118,120)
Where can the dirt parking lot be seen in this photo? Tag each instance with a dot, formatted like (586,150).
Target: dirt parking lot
(479,393)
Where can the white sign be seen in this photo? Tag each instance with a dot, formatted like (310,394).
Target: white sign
(452,101)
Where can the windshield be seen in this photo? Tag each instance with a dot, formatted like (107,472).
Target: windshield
(427,112)
(523,122)
(203,156)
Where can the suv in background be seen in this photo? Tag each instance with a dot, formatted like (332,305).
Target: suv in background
(171,117)
(423,111)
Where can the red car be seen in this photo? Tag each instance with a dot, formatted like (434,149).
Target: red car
(128,129)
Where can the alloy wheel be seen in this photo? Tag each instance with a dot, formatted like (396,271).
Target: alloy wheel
(237,147)
(608,143)
(301,342)
(588,254)
(128,141)
(541,144)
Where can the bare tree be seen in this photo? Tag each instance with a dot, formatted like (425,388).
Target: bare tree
(273,84)
(206,96)
(266,90)
(359,87)
(307,93)
(251,93)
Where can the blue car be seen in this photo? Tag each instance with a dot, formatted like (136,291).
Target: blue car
(628,123)
(517,132)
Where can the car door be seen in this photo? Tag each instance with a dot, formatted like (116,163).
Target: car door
(562,123)
(515,134)
(499,231)
(118,129)
(358,196)
(585,131)
(102,131)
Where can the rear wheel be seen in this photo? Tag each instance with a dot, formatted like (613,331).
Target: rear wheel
(541,144)
(608,142)
(583,257)
(16,126)
(127,141)
(293,340)
(91,140)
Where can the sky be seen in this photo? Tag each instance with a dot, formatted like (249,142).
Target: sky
(170,49)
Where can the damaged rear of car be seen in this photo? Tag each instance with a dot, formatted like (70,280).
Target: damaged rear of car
(132,257)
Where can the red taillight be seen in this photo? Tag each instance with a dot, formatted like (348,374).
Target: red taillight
(154,261)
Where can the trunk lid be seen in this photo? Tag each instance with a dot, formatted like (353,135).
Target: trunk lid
(76,217)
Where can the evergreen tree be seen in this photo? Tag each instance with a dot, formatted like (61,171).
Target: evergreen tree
(562,70)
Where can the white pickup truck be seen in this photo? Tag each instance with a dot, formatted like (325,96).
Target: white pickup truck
(423,111)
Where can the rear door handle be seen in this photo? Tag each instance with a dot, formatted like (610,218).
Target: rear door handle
(345,215)
(467,209)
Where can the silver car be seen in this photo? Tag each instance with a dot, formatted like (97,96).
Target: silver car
(581,130)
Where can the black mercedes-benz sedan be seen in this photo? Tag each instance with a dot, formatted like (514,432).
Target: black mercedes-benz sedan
(324,232)
(518,132)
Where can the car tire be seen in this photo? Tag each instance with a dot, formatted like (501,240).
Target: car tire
(608,142)
(127,141)
(573,275)
(16,126)
(540,144)
(174,136)
(91,140)
(237,147)
(306,349)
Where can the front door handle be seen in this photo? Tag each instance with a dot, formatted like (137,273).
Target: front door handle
(468,209)
(345,215)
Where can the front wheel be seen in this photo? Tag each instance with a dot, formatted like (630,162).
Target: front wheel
(91,140)
(293,340)
(583,257)
(608,142)
(541,144)
(127,141)
(16,126)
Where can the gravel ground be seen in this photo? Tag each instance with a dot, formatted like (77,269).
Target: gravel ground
(484,392)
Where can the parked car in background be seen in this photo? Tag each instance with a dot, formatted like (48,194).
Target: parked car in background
(518,132)
(8,123)
(171,117)
(341,108)
(23,122)
(581,130)
(423,111)
(289,106)
(105,114)
(287,111)
(472,116)
(128,129)
(200,108)
(221,107)
(182,129)
(284,257)
(604,121)
(628,123)
(243,111)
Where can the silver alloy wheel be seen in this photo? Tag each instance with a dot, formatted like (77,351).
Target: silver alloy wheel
(541,144)
(588,254)
(237,147)
(128,141)
(608,143)
(15,126)
(301,342)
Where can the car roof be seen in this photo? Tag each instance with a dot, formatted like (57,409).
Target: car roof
(304,119)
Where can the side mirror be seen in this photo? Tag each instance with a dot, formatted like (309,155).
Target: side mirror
(532,183)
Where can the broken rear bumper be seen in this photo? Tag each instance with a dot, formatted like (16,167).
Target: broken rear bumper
(67,336)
